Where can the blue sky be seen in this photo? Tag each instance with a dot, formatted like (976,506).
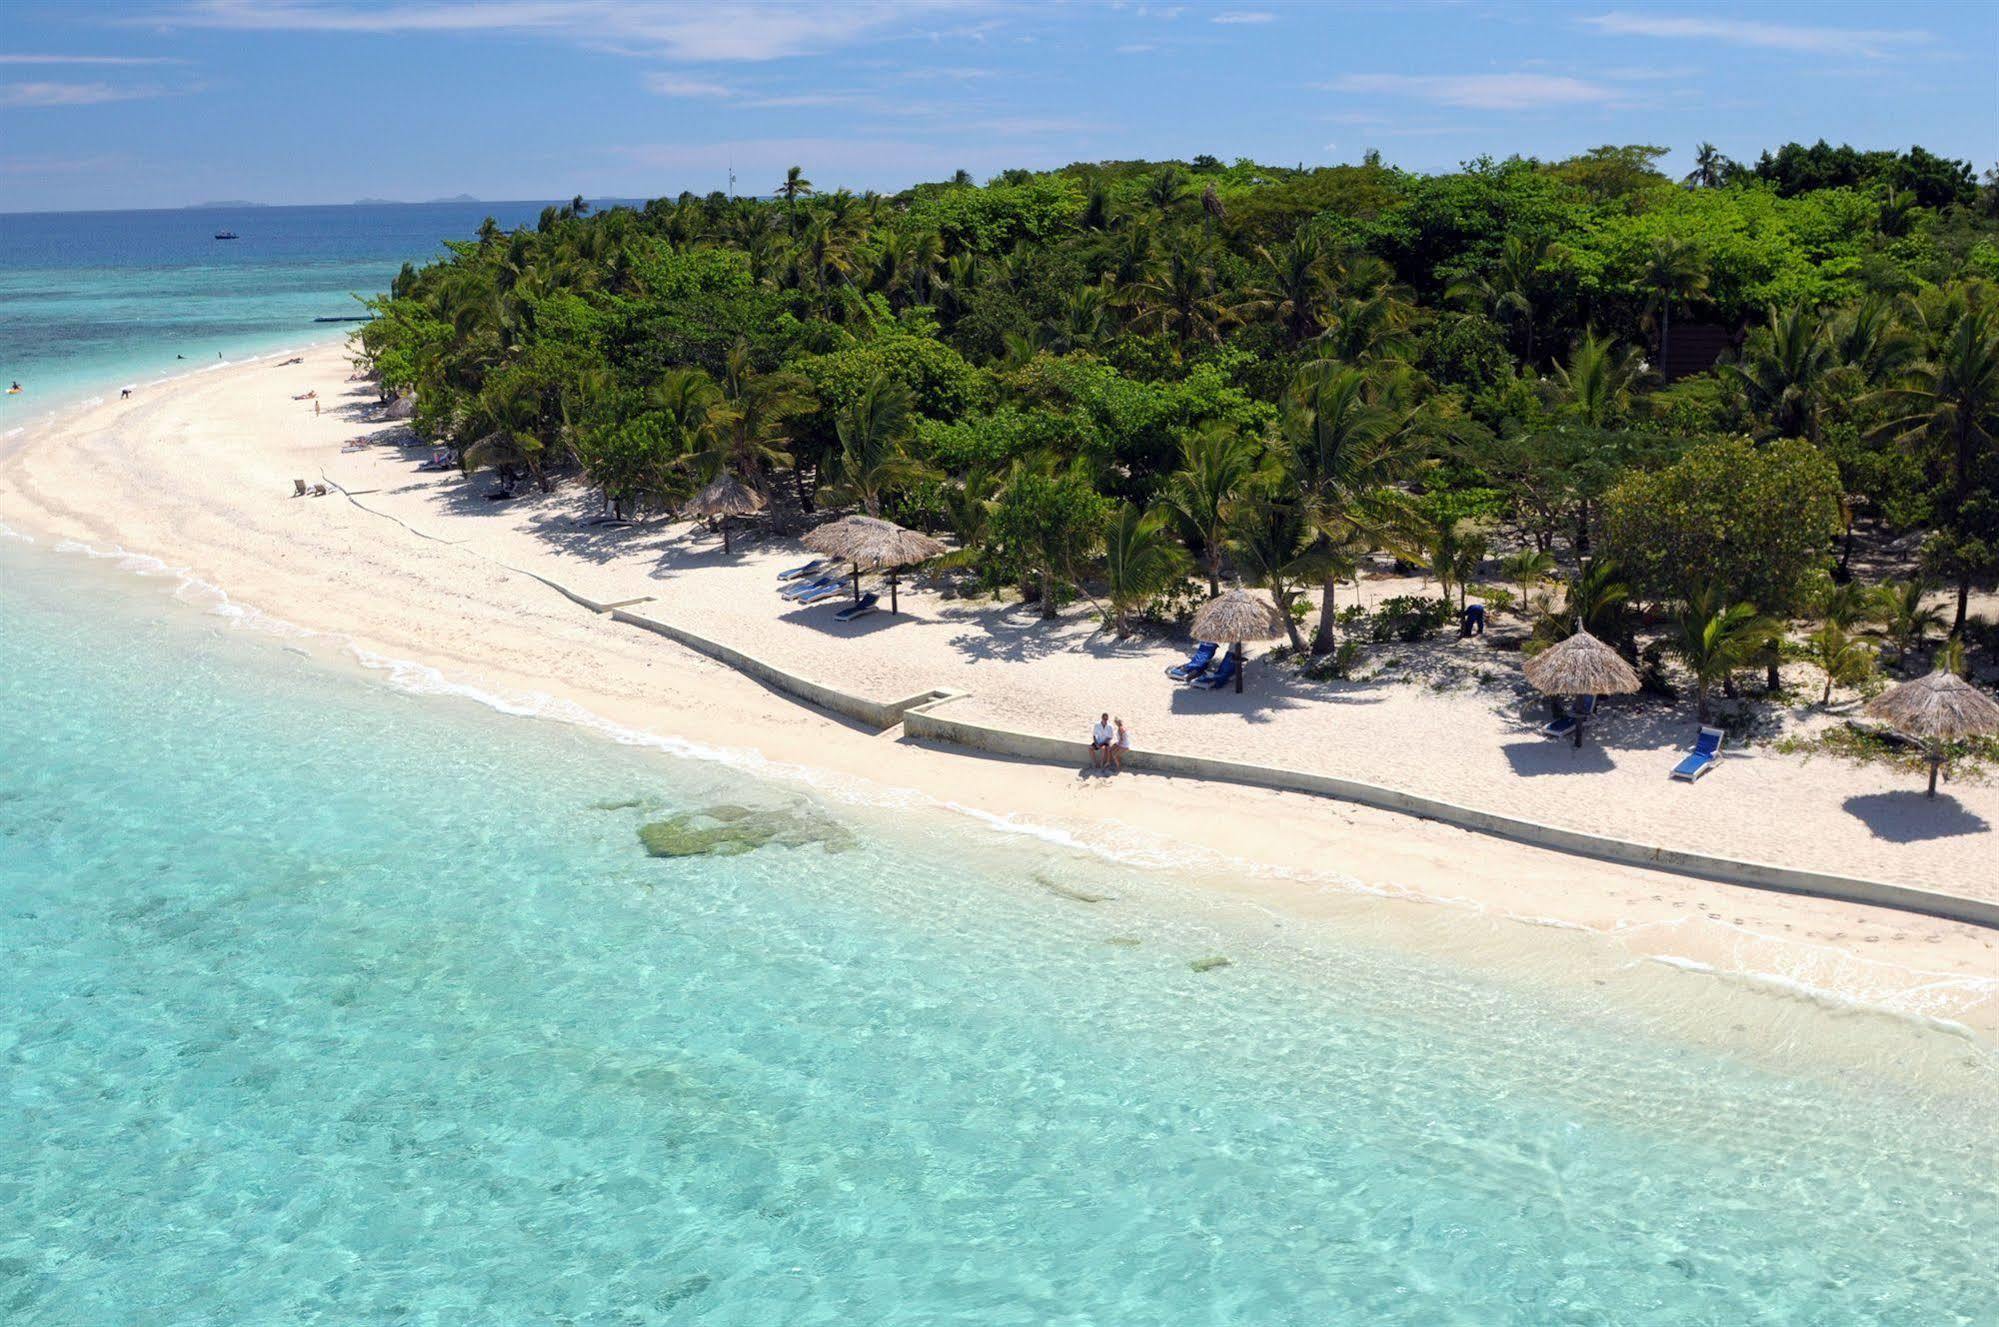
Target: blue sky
(160,103)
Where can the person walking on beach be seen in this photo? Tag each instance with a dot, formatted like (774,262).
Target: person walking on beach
(1101,738)
(1119,745)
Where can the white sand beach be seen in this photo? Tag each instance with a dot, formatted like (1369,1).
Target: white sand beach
(199,473)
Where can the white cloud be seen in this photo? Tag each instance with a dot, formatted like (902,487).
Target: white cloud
(673,85)
(1482,92)
(1244,16)
(88,60)
(731,30)
(1872,42)
(22,95)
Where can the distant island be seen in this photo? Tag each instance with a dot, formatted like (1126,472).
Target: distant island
(225,202)
(398,202)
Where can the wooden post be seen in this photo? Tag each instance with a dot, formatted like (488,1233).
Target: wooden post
(1240,660)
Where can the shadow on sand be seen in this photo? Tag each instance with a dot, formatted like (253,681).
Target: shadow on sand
(1546,755)
(1911,817)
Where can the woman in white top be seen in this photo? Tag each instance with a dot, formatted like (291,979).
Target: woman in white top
(1119,745)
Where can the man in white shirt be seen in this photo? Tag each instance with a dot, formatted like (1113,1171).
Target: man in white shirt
(1101,737)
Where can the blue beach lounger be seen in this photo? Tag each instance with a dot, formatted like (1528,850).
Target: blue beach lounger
(861,609)
(1568,723)
(806,571)
(1707,750)
(1204,654)
(799,589)
(1223,675)
(830,590)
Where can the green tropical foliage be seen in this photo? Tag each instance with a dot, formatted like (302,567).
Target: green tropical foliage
(1103,378)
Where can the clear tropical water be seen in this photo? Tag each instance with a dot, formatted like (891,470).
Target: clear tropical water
(322,1002)
(96,299)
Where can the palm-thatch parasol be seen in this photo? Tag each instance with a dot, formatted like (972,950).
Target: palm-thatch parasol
(1582,665)
(1235,617)
(1933,710)
(401,408)
(727,496)
(872,544)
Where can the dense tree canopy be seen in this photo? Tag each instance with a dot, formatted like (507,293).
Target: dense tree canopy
(1275,370)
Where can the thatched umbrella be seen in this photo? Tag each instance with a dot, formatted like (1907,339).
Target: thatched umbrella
(872,544)
(1933,710)
(727,496)
(1582,665)
(1235,617)
(401,408)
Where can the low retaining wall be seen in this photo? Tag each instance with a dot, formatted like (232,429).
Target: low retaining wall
(919,719)
(925,723)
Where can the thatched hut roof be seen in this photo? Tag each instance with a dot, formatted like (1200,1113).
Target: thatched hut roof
(1582,665)
(870,543)
(1238,616)
(726,496)
(1939,708)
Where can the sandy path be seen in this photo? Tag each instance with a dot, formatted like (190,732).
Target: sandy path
(199,473)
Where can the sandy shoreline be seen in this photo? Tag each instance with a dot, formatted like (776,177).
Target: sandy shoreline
(198,473)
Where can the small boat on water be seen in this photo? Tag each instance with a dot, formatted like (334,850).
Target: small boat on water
(226,235)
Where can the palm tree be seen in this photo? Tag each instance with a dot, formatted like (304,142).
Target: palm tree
(1506,291)
(1715,639)
(1349,438)
(1456,551)
(1709,164)
(1296,287)
(1673,270)
(1179,296)
(1783,371)
(1594,388)
(1166,189)
(1950,400)
(1217,466)
(1906,615)
(503,423)
(795,184)
(874,430)
(748,435)
(1526,569)
(1846,660)
(1274,541)
(1140,560)
(1593,600)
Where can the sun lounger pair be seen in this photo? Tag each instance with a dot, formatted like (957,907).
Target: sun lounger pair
(799,589)
(820,593)
(1220,676)
(862,609)
(806,571)
(1568,723)
(1707,750)
(1204,654)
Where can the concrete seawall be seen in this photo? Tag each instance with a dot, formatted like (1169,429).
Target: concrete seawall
(920,718)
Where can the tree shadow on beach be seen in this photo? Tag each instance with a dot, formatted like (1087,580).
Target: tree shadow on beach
(1911,817)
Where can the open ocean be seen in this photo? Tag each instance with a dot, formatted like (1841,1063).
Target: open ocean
(337,996)
(90,300)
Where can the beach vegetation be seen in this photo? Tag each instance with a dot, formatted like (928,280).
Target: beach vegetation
(1140,382)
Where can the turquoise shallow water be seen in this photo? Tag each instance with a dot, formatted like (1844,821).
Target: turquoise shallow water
(93,300)
(320,1002)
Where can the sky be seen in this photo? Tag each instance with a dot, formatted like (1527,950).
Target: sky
(164,103)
